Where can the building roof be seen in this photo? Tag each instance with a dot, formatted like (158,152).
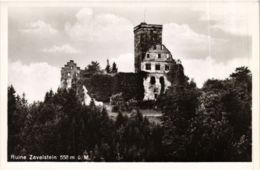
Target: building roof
(160,48)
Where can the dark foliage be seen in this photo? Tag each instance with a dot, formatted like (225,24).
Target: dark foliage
(114,68)
(103,86)
(108,67)
(93,68)
(208,124)
(61,125)
(212,124)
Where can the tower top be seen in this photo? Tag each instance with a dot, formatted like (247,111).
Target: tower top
(147,26)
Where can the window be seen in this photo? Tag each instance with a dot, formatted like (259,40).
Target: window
(159,55)
(157,67)
(148,66)
(152,80)
(148,55)
(167,67)
(162,84)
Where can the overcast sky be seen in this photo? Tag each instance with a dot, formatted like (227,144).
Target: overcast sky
(211,40)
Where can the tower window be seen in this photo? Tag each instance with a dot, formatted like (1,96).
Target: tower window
(157,67)
(159,55)
(167,67)
(148,66)
(148,55)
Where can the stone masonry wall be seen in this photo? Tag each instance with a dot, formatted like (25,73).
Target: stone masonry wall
(68,72)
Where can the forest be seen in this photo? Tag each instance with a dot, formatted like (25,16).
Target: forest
(207,124)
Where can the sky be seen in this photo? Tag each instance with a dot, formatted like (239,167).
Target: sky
(210,39)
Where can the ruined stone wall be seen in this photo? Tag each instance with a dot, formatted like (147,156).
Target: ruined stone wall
(138,86)
(68,73)
(154,85)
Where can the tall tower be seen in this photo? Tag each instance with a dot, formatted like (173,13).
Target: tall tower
(146,35)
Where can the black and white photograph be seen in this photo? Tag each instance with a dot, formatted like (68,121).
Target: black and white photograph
(130,83)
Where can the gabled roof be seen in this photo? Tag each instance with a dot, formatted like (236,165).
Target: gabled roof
(158,48)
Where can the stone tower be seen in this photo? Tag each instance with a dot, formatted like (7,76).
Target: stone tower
(152,57)
(145,35)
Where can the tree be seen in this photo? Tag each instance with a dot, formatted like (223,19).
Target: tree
(13,129)
(242,74)
(114,68)
(120,120)
(210,133)
(11,103)
(93,68)
(108,68)
(17,111)
(178,107)
(221,129)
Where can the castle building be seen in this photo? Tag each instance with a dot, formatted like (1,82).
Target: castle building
(68,73)
(152,57)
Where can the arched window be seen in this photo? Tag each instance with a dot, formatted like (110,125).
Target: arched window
(152,80)
(162,84)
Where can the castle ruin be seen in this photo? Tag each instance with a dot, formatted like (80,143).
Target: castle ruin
(69,73)
(151,57)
